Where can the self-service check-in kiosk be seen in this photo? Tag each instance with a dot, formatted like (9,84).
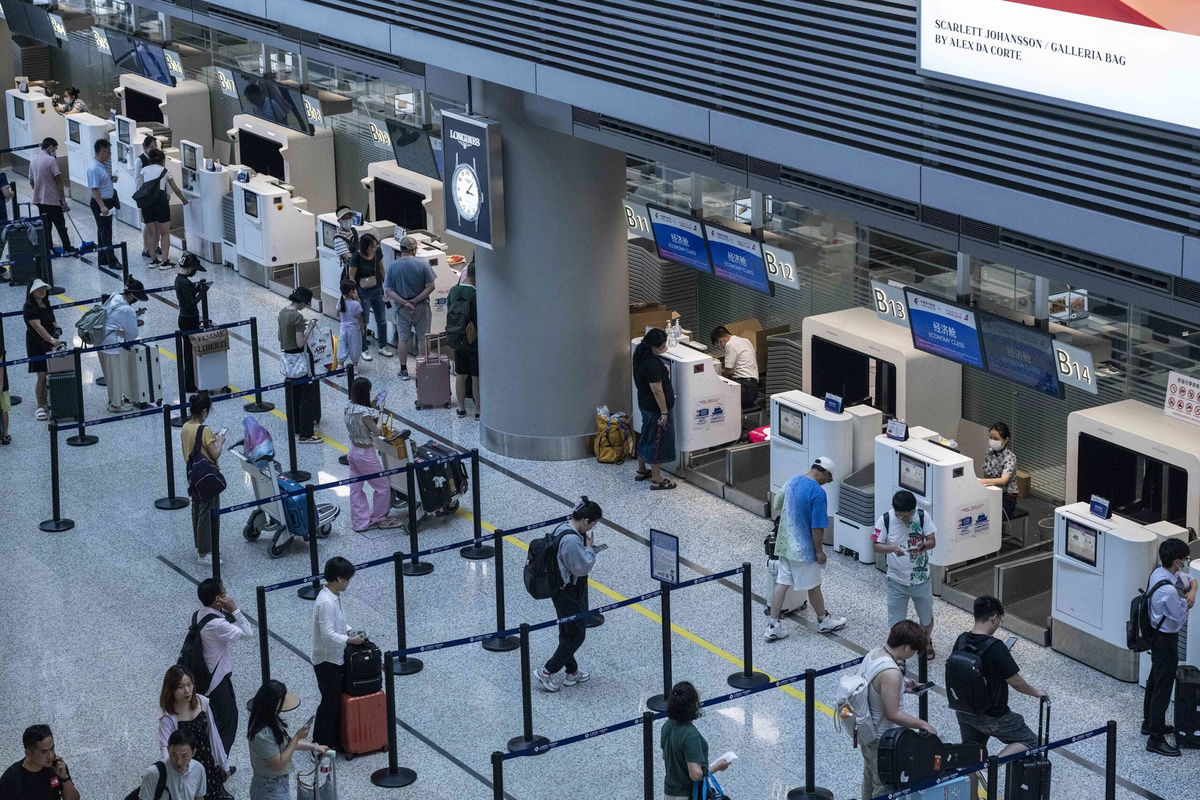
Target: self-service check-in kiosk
(205,184)
(409,199)
(126,138)
(331,265)
(445,276)
(183,108)
(276,234)
(80,134)
(297,159)
(864,360)
(32,118)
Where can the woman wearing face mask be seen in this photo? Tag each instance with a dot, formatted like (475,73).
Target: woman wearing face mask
(185,709)
(1000,465)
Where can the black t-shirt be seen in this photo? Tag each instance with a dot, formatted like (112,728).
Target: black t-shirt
(18,783)
(998,667)
(35,345)
(651,369)
(185,295)
(367,267)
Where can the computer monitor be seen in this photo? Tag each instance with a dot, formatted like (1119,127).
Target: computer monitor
(1081,542)
(16,17)
(267,99)
(413,149)
(73,133)
(791,424)
(18,108)
(40,26)
(250,204)
(189,156)
(913,473)
(328,230)
(142,107)
(402,206)
(124,132)
(261,154)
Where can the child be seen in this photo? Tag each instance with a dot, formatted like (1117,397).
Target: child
(350,313)
(5,400)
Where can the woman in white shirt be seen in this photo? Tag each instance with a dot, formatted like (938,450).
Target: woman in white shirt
(157,215)
(331,634)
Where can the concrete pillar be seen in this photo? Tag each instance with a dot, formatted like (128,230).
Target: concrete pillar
(553,302)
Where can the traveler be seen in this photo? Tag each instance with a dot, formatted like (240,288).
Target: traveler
(345,238)
(1000,672)
(185,709)
(294,333)
(1000,465)
(801,508)
(350,315)
(205,524)
(217,639)
(5,399)
(149,241)
(656,400)
(186,779)
(466,358)
(408,284)
(741,363)
(71,103)
(907,536)
(271,748)
(1169,605)
(576,556)
(157,215)
(41,774)
(187,296)
(41,336)
(684,749)
(6,195)
(362,423)
(366,269)
(48,191)
(104,201)
(120,325)
(883,668)
(331,634)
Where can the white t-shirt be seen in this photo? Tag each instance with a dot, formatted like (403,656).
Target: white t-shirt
(904,569)
(740,358)
(153,172)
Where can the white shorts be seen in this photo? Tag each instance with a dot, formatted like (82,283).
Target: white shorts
(800,575)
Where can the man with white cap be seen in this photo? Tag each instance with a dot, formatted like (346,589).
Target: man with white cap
(802,510)
(120,325)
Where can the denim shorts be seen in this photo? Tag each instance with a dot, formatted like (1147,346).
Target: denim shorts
(271,787)
(1008,728)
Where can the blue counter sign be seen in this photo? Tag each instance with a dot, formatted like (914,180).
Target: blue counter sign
(679,238)
(737,258)
(944,329)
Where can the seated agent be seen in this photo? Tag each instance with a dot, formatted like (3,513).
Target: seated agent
(41,774)
(741,363)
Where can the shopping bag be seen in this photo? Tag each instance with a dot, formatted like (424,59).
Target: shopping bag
(707,788)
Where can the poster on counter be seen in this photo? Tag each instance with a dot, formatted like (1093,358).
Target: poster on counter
(1134,57)
(1183,398)
(973,519)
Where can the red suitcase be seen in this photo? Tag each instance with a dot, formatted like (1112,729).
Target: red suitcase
(364,723)
(433,377)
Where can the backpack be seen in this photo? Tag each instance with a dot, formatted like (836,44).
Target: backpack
(158,790)
(614,438)
(191,655)
(1139,632)
(852,712)
(542,578)
(351,240)
(460,328)
(887,520)
(150,192)
(92,325)
(967,689)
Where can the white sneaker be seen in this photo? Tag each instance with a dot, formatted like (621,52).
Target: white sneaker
(775,630)
(829,623)
(366,355)
(206,561)
(547,680)
(387,351)
(578,676)
(124,408)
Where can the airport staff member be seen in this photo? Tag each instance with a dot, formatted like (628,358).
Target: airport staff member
(104,200)
(71,103)
(741,363)
(1169,605)
(1000,465)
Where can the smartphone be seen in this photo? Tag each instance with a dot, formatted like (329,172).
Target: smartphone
(599,548)
(223,431)
(310,721)
(923,687)
(1011,643)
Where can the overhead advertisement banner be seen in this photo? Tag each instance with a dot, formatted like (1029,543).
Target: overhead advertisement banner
(1134,57)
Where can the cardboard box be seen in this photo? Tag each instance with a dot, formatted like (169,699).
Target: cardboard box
(643,315)
(1023,484)
(753,330)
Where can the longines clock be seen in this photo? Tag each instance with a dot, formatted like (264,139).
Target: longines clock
(472,182)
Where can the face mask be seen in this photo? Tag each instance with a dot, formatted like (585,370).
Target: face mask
(995,444)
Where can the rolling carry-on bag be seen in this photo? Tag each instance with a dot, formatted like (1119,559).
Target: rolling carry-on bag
(26,249)
(61,389)
(144,384)
(439,484)
(295,508)
(1187,706)
(433,377)
(1029,778)
(364,723)
(908,757)
(362,671)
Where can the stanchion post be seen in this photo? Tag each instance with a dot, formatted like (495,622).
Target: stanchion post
(528,739)
(477,551)
(124,248)
(258,406)
(993,778)
(180,380)
(264,637)
(403,665)
(922,677)
(215,541)
(747,678)
(810,791)
(56,524)
(393,776)
(12,398)
(497,775)
(416,566)
(344,459)
(49,261)
(648,755)
(311,590)
(81,438)
(171,502)
(294,473)
(1110,761)
(659,701)
(500,644)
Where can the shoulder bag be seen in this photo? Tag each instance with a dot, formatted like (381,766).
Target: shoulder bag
(205,480)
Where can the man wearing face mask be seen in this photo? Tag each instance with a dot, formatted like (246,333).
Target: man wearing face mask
(1172,594)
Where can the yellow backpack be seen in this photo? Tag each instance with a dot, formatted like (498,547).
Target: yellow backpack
(614,438)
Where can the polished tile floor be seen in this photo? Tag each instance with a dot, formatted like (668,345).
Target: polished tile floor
(97,613)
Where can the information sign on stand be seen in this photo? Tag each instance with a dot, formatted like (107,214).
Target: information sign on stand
(1099,507)
(888,300)
(833,403)
(664,556)
(1183,398)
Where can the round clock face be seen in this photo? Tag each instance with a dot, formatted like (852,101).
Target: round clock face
(467,196)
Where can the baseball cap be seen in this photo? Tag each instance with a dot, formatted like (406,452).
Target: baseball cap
(408,243)
(136,288)
(301,294)
(191,261)
(825,463)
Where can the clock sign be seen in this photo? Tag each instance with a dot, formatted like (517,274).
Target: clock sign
(474,198)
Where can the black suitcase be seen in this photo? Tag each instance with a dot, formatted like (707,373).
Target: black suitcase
(362,671)
(1029,778)
(908,757)
(1187,706)
(439,484)
(26,248)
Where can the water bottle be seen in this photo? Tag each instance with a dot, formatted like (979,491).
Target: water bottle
(673,334)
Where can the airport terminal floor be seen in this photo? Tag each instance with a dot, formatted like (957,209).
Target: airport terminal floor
(96,614)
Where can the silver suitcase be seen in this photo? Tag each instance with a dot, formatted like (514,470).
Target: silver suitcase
(144,381)
(316,778)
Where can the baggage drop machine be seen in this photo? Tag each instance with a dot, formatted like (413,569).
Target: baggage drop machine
(205,184)
(126,138)
(276,234)
(299,160)
(183,108)
(412,200)
(31,118)
(78,140)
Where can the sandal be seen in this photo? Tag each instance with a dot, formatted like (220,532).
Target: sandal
(643,475)
(42,414)
(462,412)
(665,483)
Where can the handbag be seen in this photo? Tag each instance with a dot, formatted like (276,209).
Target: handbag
(369,282)
(707,788)
(150,192)
(205,480)
(294,365)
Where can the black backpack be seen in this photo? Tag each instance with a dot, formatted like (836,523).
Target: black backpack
(967,688)
(542,578)
(460,328)
(363,670)
(150,192)
(1139,632)
(191,655)
(158,790)
(887,520)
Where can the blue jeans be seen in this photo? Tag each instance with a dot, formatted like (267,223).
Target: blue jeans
(372,303)
(277,787)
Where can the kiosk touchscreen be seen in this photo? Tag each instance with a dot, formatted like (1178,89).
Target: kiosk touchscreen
(300,160)
(276,234)
(182,108)
(81,133)
(31,118)
(205,184)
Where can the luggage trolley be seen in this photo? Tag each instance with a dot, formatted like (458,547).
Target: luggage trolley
(390,457)
(273,517)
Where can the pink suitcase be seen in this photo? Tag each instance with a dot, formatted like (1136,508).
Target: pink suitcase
(433,376)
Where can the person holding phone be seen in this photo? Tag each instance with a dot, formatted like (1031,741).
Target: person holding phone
(217,638)
(41,773)
(907,535)
(331,634)
(271,747)
(205,525)
(684,749)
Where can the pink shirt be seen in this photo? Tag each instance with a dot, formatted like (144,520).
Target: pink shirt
(43,169)
(218,637)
